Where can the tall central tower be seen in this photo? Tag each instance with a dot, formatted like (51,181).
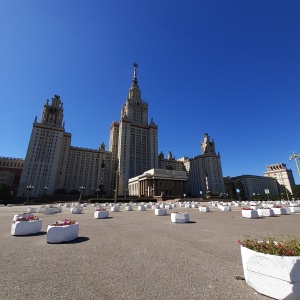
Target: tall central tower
(133,141)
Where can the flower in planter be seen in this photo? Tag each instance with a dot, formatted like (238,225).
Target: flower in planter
(246,208)
(100,209)
(64,222)
(277,206)
(27,218)
(179,212)
(269,245)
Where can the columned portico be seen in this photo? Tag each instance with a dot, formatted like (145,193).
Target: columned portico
(156,182)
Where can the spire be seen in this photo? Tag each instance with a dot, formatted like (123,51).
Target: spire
(134,91)
(134,81)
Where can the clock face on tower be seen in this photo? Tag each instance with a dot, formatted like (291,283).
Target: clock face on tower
(52,110)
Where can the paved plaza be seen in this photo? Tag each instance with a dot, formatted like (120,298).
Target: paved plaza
(134,255)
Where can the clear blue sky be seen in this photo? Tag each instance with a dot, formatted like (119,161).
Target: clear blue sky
(229,68)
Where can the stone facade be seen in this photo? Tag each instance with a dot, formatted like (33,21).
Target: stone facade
(133,141)
(10,172)
(158,182)
(51,162)
(283,176)
(252,186)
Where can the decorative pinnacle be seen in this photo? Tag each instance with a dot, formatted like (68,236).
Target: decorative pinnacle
(135,81)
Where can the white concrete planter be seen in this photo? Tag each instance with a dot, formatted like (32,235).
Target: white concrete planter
(65,233)
(160,211)
(76,210)
(168,206)
(293,204)
(277,277)
(68,205)
(237,204)
(180,217)
(101,214)
(52,210)
(195,205)
(187,205)
(279,211)
(265,212)
(128,207)
(288,210)
(26,227)
(225,208)
(250,214)
(9,205)
(115,208)
(142,207)
(31,210)
(155,207)
(204,209)
(295,209)
(254,206)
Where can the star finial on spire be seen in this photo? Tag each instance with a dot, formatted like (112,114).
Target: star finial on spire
(135,65)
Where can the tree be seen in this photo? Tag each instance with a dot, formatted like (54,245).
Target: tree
(74,192)
(239,185)
(61,191)
(5,191)
(296,191)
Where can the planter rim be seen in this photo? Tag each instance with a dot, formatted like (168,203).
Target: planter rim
(272,255)
(58,226)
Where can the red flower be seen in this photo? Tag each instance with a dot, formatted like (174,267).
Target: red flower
(288,252)
(279,246)
(239,242)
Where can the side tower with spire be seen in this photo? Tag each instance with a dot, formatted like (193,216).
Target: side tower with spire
(46,158)
(133,141)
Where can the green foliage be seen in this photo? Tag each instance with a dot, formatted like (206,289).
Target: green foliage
(214,194)
(61,191)
(74,192)
(5,191)
(296,191)
(283,246)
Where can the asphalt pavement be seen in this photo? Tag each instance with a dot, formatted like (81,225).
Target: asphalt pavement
(134,255)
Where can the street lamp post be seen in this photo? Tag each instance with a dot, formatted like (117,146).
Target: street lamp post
(29,189)
(81,189)
(45,190)
(201,195)
(295,157)
(126,193)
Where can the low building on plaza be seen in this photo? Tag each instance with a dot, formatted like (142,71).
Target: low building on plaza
(158,182)
(248,187)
